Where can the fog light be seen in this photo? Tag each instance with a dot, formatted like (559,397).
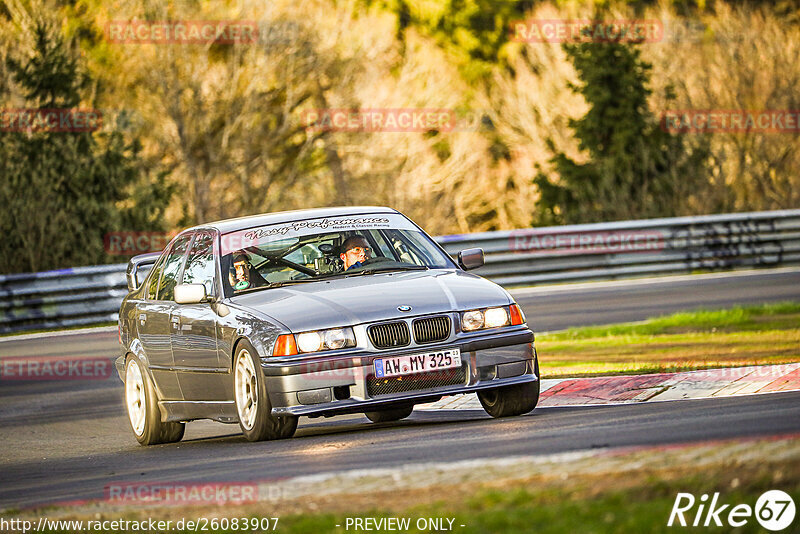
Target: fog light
(314,396)
(488,373)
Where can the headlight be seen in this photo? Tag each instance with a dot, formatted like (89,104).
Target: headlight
(309,342)
(472,320)
(491,318)
(494,317)
(335,338)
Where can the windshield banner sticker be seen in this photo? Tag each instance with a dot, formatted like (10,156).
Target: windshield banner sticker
(268,234)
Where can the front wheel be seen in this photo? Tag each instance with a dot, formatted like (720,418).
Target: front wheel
(252,403)
(511,400)
(386,416)
(142,405)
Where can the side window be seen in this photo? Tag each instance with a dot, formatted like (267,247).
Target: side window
(306,254)
(406,250)
(386,250)
(172,268)
(200,268)
(152,281)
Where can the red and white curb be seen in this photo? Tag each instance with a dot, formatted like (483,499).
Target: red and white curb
(709,383)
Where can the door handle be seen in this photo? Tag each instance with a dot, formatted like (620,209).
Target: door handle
(142,318)
(176,322)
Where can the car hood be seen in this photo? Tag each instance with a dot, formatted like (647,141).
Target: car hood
(370,298)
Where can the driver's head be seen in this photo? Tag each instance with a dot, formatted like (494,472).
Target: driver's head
(354,249)
(241,263)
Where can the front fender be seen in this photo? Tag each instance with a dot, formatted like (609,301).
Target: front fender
(260,331)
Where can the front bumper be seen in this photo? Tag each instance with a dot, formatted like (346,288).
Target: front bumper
(346,384)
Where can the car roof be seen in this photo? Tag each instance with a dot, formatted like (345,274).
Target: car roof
(253,221)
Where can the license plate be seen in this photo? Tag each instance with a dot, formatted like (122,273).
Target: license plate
(417,363)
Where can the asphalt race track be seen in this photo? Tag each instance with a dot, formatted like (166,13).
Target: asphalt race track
(65,440)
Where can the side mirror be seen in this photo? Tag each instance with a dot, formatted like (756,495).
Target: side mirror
(471,258)
(190,293)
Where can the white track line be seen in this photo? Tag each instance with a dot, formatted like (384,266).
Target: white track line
(590,286)
(59,333)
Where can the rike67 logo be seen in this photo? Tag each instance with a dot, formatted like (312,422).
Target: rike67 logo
(774,510)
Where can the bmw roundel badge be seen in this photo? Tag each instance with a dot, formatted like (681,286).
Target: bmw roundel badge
(404,308)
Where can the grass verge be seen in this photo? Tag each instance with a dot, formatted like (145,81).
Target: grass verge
(703,339)
(615,491)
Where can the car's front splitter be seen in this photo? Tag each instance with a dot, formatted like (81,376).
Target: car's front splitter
(348,406)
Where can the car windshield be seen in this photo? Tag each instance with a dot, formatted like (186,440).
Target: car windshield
(320,249)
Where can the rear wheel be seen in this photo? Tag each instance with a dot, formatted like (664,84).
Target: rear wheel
(511,400)
(252,403)
(394,414)
(142,405)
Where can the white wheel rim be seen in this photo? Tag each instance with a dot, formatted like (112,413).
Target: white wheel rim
(135,397)
(246,385)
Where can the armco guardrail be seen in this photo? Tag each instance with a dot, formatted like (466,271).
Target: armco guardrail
(635,248)
(63,298)
(89,295)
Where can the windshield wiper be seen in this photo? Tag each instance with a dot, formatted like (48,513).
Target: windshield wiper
(395,268)
(290,282)
(348,274)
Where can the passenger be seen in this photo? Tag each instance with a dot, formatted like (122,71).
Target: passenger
(246,275)
(355,251)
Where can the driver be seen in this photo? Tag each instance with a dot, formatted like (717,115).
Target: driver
(355,251)
(246,276)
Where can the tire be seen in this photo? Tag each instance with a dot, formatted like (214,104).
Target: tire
(252,402)
(141,403)
(386,416)
(511,400)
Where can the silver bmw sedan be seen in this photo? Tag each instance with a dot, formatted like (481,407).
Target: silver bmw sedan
(259,320)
